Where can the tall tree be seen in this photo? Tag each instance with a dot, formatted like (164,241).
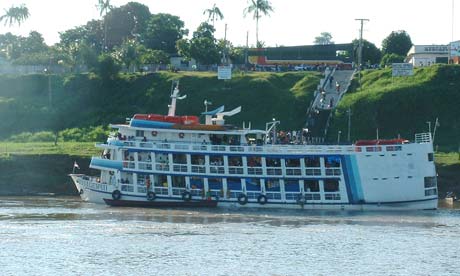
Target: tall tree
(15,15)
(162,32)
(258,8)
(324,38)
(213,14)
(398,42)
(371,53)
(104,7)
(126,22)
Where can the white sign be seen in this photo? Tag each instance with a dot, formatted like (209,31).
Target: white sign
(402,69)
(224,72)
(455,49)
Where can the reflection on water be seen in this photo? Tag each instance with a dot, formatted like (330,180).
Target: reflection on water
(46,235)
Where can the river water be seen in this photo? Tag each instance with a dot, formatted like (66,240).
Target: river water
(64,236)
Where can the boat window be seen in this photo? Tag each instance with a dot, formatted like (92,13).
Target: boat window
(312,161)
(272,185)
(291,185)
(180,158)
(160,181)
(331,185)
(234,184)
(292,162)
(252,184)
(273,162)
(235,161)
(197,159)
(311,186)
(254,161)
(430,156)
(215,183)
(161,158)
(332,161)
(430,181)
(178,181)
(139,133)
(216,160)
(196,182)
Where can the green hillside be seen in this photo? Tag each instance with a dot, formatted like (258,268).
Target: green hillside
(87,100)
(403,106)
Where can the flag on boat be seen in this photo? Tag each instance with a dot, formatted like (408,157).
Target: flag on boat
(75,165)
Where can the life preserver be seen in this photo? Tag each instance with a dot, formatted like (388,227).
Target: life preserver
(154,133)
(262,199)
(116,195)
(181,135)
(242,199)
(151,196)
(186,196)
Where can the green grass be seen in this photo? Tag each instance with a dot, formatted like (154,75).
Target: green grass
(85,149)
(85,100)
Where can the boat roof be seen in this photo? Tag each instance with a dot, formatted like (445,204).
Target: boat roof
(172,130)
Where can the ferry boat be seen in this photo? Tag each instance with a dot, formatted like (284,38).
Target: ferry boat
(174,161)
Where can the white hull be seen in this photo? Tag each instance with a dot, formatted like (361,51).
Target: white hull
(91,194)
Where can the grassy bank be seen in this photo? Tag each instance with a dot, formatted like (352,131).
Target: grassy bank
(403,106)
(27,103)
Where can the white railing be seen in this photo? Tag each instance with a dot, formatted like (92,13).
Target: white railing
(422,138)
(284,149)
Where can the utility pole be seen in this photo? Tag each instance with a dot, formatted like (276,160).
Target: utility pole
(246,53)
(360,49)
(349,124)
(225,47)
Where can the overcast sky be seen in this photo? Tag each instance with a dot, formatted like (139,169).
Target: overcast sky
(293,22)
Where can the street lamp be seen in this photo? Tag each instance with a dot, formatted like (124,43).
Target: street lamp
(206,103)
(338,137)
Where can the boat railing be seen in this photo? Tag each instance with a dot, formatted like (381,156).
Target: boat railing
(161,190)
(178,191)
(279,149)
(235,170)
(422,138)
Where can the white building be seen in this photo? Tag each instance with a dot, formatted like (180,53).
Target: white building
(425,55)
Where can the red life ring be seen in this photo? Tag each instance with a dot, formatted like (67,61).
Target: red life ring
(181,135)
(154,133)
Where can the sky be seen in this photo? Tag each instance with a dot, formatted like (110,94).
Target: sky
(293,22)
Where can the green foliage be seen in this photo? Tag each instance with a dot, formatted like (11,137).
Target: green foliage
(370,53)
(163,31)
(203,45)
(85,100)
(398,42)
(89,134)
(126,22)
(107,67)
(15,15)
(324,38)
(388,59)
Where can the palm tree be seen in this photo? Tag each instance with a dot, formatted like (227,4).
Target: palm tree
(257,8)
(214,13)
(104,7)
(15,15)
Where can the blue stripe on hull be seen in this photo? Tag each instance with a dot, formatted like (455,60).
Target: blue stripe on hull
(352,179)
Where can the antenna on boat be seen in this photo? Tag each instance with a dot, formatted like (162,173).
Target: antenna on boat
(174,97)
